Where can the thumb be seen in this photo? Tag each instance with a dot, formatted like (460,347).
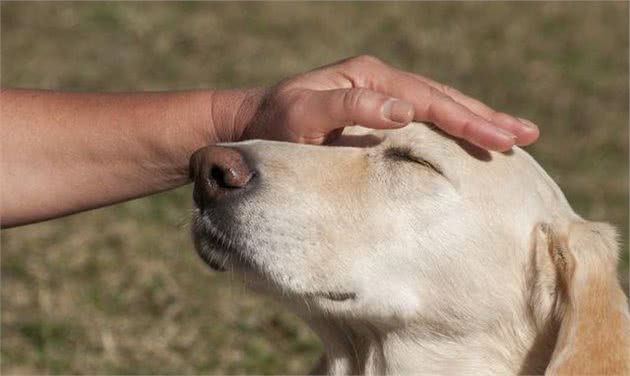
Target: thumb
(342,107)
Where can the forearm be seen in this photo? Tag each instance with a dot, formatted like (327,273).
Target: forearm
(67,152)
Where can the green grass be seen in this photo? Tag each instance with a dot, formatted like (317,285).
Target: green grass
(120,290)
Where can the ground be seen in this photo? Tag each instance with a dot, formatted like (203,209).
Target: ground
(120,290)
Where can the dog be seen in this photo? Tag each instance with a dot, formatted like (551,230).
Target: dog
(411,252)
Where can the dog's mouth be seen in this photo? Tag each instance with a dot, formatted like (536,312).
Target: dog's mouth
(214,248)
(335,296)
(214,265)
(219,251)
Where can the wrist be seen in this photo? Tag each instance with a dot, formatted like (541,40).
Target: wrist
(232,111)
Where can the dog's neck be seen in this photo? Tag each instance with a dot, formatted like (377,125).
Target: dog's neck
(353,348)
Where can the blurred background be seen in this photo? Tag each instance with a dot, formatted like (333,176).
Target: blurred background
(121,291)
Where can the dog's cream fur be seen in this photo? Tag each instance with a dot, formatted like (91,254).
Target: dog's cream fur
(409,252)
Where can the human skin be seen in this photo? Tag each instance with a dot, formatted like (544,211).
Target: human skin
(66,152)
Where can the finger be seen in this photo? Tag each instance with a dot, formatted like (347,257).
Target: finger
(525,131)
(432,105)
(475,105)
(458,121)
(342,107)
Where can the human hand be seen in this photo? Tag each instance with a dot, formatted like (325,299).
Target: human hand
(313,107)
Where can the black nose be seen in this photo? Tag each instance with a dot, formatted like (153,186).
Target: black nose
(216,172)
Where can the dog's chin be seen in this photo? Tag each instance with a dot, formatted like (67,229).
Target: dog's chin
(219,253)
(216,249)
(211,259)
(222,253)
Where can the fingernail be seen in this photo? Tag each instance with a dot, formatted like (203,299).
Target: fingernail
(528,123)
(397,111)
(503,133)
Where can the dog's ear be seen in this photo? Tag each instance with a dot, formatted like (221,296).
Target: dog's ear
(577,281)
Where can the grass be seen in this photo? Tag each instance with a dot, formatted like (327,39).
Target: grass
(121,291)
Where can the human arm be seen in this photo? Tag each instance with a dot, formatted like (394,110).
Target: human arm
(67,152)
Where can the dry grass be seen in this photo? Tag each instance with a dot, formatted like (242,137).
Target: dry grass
(120,290)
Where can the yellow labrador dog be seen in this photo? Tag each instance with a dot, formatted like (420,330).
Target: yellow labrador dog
(409,252)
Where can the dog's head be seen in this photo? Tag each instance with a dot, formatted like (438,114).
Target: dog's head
(396,228)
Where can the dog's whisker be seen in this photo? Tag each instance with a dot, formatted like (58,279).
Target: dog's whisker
(183,222)
(308,306)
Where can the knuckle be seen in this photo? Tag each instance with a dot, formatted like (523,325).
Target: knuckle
(429,110)
(352,98)
(436,95)
(369,59)
(450,91)
(499,116)
(464,130)
(365,61)
(293,112)
(433,95)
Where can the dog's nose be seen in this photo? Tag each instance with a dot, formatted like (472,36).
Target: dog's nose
(217,171)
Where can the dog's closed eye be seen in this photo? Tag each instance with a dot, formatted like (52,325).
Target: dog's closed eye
(405,154)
